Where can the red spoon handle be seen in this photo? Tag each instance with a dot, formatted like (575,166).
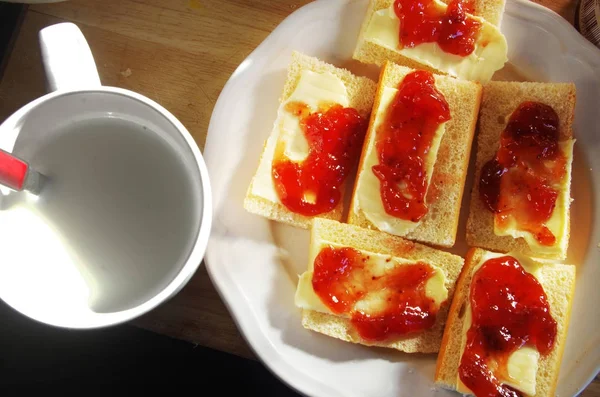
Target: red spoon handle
(12,171)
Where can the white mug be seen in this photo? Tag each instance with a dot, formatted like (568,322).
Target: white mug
(123,221)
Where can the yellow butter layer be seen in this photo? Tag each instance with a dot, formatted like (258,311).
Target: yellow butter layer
(312,89)
(489,55)
(523,363)
(368,195)
(373,301)
(557,224)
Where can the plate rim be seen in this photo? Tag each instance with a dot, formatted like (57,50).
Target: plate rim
(257,341)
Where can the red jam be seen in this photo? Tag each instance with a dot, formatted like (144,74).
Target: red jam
(313,186)
(509,310)
(422,21)
(519,182)
(342,277)
(404,139)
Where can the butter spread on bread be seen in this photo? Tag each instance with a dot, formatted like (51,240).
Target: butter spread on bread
(526,183)
(368,187)
(445,162)
(312,89)
(336,92)
(378,264)
(514,314)
(523,363)
(360,304)
(500,100)
(557,222)
(488,56)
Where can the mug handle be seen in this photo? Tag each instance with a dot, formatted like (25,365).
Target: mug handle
(67,58)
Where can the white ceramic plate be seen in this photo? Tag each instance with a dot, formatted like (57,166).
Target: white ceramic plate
(254,263)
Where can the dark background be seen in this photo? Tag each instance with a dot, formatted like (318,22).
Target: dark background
(35,358)
(38,358)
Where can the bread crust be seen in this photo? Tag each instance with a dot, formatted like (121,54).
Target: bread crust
(446,369)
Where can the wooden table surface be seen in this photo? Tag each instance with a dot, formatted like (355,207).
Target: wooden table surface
(179,53)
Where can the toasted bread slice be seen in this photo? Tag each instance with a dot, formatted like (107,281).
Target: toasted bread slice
(381,243)
(360,91)
(500,99)
(369,52)
(445,190)
(558,281)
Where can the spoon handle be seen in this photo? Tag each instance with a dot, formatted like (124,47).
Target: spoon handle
(13,171)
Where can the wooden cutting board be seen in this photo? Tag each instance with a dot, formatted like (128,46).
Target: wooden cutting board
(179,53)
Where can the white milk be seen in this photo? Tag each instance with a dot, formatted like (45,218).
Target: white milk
(110,215)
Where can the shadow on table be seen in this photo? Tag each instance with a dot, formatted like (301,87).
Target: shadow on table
(11,16)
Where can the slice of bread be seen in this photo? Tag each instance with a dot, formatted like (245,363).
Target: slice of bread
(369,52)
(499,101)
(558,282)
(361,91)
(445,191)
(382,243)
